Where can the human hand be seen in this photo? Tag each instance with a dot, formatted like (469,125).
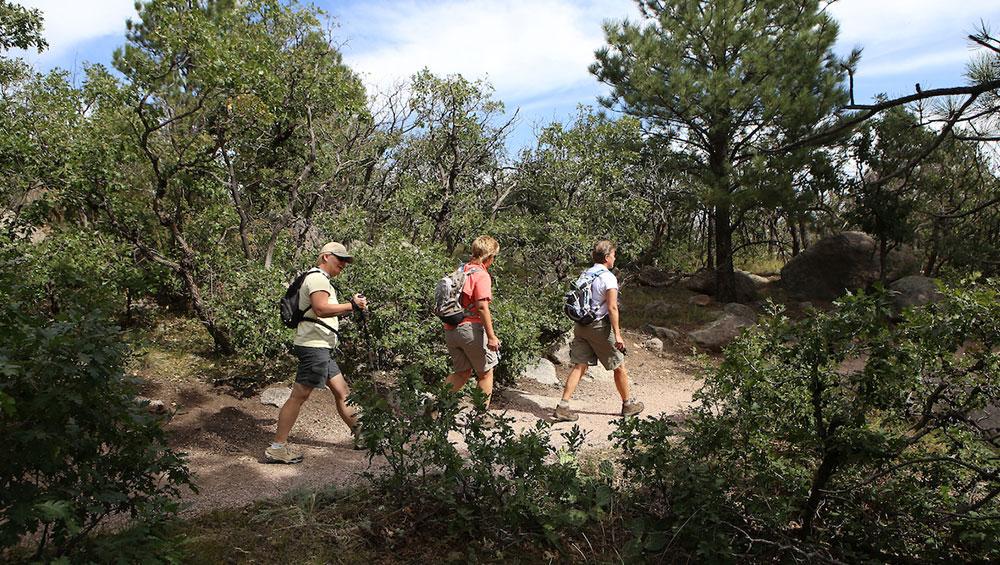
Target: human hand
(493,344)
(619,343)
(360,301)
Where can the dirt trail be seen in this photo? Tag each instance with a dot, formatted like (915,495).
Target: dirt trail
(225,436)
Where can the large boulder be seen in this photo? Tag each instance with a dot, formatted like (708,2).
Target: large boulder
(275,396)
(914,290)
(559,352)
(716,335)
(704,282)
(847,261)
(599,373)
(542,372)
(666,334)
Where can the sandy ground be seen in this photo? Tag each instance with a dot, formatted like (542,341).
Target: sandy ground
(225,436)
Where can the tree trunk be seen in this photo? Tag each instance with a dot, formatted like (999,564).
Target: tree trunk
(725,276)
(709,235)
(803,234)
(796,246)
(223,342)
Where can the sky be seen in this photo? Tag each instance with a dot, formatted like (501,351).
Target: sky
(536,52)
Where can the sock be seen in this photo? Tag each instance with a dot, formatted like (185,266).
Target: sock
(564,403)
(276,445)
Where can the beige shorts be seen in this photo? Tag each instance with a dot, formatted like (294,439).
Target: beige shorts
(595,342)
(467,346)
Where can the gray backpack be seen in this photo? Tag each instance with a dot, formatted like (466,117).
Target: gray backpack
(447,294)
(578,304)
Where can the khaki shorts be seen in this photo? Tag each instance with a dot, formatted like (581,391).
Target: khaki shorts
(467,346)
(595,342)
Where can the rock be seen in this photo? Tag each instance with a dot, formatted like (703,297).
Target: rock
(700,300)
(702,281)
(542,372)
(656,278)
(758,281)
(716,335)
(741,310)
(671,336)
(559,352)
(599,373)
(842,262)
(276,396)
(154,406)
(653,344)
(914,290)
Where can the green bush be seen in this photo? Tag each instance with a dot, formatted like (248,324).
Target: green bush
(399,281)
(508,484)
(839,437)
(78,447)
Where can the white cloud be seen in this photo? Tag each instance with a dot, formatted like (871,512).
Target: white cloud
(68,23)
(525,48)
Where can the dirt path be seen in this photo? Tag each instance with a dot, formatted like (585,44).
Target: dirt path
(225,436)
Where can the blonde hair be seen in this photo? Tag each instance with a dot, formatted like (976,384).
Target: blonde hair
(601,250)
(484,247)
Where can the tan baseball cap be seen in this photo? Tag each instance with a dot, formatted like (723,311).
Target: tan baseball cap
(338,249)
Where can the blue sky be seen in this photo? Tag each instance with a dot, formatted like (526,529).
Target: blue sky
(536,52)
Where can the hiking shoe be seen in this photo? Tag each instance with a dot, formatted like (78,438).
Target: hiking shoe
(283,454)
(564,414)
(632,407)
(358,439)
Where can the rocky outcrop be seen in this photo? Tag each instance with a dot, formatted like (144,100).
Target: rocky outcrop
(914,290)
(542,372)
(275,396)
(718,334)
(747,284)
(844,262)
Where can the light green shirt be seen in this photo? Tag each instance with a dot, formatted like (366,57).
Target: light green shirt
(311,334)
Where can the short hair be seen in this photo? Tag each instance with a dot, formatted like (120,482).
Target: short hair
(601,250)
(484,247)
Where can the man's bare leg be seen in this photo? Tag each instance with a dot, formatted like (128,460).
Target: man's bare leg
(621,381)
(290,411)
(572,380)
(338,386)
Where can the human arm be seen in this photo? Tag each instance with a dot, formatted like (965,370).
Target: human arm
(612,298)
(325,308)
(482,308)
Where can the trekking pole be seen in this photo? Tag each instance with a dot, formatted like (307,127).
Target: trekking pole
(363,318)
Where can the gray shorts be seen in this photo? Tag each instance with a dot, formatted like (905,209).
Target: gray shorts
(467,346)
(595,342)
(316,365)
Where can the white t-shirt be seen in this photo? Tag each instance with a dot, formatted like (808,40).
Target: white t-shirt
(599,288)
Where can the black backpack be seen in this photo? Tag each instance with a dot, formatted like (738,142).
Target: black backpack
(291,315)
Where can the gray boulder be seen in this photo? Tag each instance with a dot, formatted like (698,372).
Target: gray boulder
(666,334)
(716,335)
(914,290)
(559,352)
(275,396)
(653,344)
(746,284)
(847,261)
(741,310)
(599,373)
(700,300)
(542,372)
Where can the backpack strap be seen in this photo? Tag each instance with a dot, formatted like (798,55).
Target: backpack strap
(316,320)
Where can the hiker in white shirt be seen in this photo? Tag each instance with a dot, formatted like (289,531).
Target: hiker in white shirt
(600,340)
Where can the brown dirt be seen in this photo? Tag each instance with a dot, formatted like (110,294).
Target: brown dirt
(224,436)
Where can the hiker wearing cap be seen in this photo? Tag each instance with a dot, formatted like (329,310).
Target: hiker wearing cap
(472,344)
(600,340)
(315,340)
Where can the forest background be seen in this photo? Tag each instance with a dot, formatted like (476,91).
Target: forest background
(231,141)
